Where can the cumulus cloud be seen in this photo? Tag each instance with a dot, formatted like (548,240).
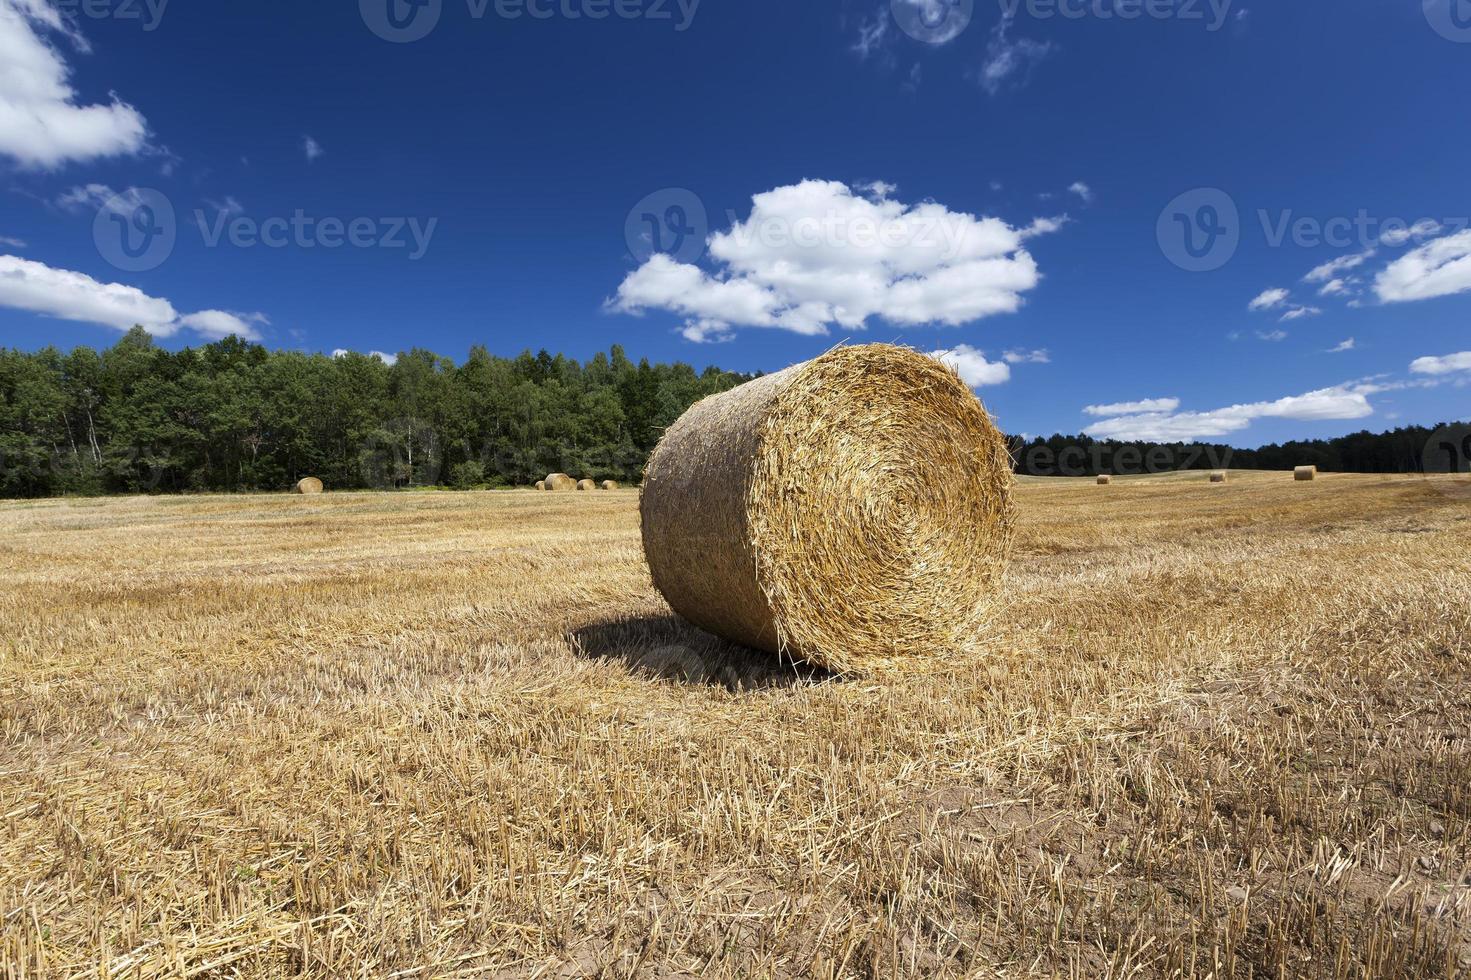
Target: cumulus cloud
(1008,62)
(43,125)
(1444,364)
(1027,357)
(1268,299)
(1339,287)
(816,255)
(973,367)
(389,359)
(1348,401)
(65,295)
(1424,228)
(1082,190)
(1438,268)
(1298,312)
(1332,269)
(1152,405)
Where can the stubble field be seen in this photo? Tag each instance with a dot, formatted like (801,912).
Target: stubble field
(1213,731)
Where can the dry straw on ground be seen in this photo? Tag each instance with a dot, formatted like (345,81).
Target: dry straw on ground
(560,481)
(309,485)
(1104,481)
(1218,477)
(1304,474)
(854,512)
(609,485)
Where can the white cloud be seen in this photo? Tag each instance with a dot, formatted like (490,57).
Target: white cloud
(1346,401)
(1155,405)
(1445,364)
(1272,336)
(1268,299)
(815,255)
(1424,228)
(311,148)
(972,366)
(389,359)
(8,242)
(1346,345)
(1009,60)
(1438,268)
(216,324)
(1331,269)
(1339,287)
(1027,357)
(65,295)
(1298,312)
(1082,190)
(42,124)
(871,34)
(95,197)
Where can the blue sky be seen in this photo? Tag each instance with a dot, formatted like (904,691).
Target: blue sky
(1007,181)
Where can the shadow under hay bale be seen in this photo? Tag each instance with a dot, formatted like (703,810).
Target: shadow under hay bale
(668,648)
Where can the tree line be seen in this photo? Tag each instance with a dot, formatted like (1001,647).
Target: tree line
(234,416)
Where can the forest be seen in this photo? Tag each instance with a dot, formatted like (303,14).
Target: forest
(235,416)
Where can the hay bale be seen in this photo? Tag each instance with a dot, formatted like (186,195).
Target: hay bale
(309,485)
(854,511)
(1218,478)
(560,481)
(541,485)
(608,485)
(1304,474)
(1105,480)
(586,485)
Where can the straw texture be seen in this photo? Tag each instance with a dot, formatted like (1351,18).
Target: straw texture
(541,484)
(1304,474)
(854,512)
(560,481)
(309,485)
(1218,478)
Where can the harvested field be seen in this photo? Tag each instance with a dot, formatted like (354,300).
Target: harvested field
(1217,730)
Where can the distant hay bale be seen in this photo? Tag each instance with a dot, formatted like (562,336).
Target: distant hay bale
(586,485)
(309,485)
(608,485)
(1105,480)
(560,481)
(854,512)
(1304,474)
(1218,478)
(541,484)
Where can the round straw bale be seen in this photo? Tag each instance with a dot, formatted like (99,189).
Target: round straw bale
(1105,480)
(854,512)
(608,485)
(560,481)
(541,484)
(586,485)
(1218,477)
(1304,474)
(309,485)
